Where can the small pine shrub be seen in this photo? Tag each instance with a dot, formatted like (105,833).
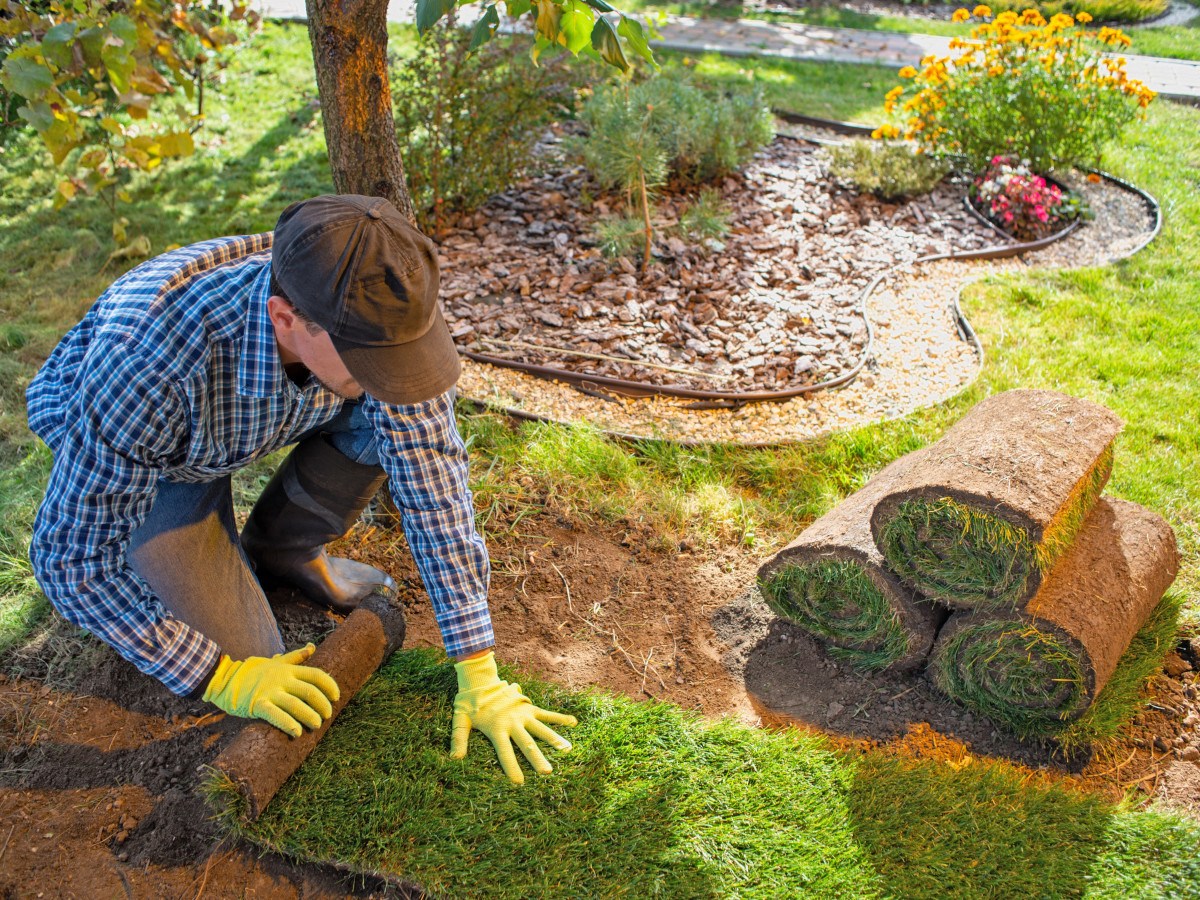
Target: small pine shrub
(620,235)
(889,171)
(700,135)
(706,217)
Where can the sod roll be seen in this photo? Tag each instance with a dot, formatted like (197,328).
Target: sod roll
(832,582)
(261,758)
(997,500)
(1038,669)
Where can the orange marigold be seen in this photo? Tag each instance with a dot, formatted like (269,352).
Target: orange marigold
(960,15)
(1083,18)
(982,12)
(907,72)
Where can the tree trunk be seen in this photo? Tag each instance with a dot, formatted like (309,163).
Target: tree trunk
(349,42)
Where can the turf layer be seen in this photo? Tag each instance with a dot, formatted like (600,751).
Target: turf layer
(973,559)
(655,802)
(1025,677)
(837,601)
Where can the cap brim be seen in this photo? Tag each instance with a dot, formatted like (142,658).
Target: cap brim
(407,373)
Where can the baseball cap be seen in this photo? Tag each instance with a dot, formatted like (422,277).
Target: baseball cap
(359,269)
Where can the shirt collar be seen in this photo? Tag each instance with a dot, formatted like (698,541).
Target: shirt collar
(260,370)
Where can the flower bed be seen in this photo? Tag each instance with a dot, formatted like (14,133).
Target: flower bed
(1022,204)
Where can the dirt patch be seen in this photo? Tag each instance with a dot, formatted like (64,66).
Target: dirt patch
(98,784)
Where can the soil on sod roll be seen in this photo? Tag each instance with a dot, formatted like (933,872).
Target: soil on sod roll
(997,500)
(1036,670)
(833,582)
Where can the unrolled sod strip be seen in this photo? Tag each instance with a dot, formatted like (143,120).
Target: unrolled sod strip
(1036,670)
(833,582)
(997,500)
(261,758)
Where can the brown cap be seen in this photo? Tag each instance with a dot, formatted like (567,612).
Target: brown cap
(356,267)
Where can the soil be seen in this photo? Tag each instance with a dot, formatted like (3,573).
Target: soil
(98,779)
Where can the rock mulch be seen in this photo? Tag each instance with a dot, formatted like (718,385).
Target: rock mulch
(920,355)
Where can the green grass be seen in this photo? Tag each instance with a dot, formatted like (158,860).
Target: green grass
(655,802)
(1126,336)
(837,601)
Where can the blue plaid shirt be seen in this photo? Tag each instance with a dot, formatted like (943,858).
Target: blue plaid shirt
(174,373)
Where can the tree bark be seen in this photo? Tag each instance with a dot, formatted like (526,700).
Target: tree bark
(349,43)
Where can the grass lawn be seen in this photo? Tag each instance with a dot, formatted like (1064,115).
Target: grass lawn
(654,801)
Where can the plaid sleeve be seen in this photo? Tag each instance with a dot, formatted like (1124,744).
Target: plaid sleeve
(426,462)
(102,486)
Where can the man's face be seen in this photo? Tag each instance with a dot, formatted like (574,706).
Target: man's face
(312,348)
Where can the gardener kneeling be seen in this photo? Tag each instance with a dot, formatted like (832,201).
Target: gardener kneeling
(326,334)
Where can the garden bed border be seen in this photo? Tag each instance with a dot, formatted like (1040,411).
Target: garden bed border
(617,389)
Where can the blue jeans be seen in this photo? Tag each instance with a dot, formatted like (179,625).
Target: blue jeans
(189,552)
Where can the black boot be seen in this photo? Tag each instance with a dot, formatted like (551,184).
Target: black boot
(316,496)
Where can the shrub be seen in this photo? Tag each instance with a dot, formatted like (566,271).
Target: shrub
(620,235)
(889,171)
(706,217)
(1021,87)
(467,122)
(699,135)
(1025,205)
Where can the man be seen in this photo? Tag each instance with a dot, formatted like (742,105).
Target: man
(326,334)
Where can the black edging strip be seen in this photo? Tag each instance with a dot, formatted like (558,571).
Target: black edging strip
(594,385)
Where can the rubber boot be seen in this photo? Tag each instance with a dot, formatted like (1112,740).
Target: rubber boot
(316,497)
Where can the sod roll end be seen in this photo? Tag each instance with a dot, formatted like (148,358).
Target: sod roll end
(1037,670)
(997,500)
(832,582)
(261,758)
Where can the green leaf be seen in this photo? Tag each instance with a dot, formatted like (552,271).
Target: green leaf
(484,29)
(38,114)
(26,76)
(635,37)
(429,12)
(540,44)
(518,8)
(600,5)
(608,45)
(576,24)
(56,45)
(124,29)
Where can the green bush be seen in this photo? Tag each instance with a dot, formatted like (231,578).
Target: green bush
(675,130)
(1022,86)
(889,171)
(467,122)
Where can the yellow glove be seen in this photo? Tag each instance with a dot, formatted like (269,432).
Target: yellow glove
(278,690)
(504,714)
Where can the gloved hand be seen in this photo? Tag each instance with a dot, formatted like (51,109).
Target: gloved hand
(504,714)
(278,690)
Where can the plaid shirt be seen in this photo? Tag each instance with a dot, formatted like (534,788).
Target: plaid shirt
(174,373)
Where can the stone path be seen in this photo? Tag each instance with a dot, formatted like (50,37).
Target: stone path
(1173,78)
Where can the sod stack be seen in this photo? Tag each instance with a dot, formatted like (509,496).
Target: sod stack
(997,500)
(832,582)
(1041,667)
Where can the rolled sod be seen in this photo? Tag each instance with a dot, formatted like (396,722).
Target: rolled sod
(1036,670)
(997,500)
(833,582)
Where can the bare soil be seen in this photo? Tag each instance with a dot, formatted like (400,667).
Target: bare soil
(98,779)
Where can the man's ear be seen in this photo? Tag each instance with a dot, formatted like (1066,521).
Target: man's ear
(282,315)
